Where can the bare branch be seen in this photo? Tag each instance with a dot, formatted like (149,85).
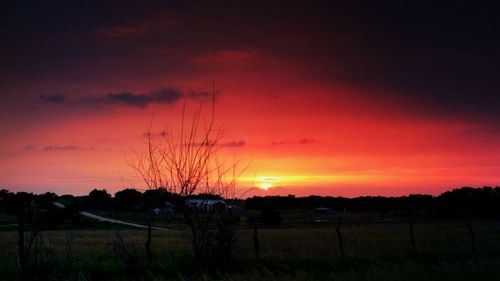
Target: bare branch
(186,162)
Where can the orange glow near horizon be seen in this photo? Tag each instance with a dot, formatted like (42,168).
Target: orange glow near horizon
(297,135)
(328,153)
(265,186)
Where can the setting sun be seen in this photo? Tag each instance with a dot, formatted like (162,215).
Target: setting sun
(265,186)
(265,183)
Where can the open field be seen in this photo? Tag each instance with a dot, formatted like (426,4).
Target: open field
(373,251)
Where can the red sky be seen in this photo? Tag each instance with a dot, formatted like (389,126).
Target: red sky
(328,100)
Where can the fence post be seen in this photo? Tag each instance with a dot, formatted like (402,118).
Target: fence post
(20,244)
(339,236)
(148,245)
(472,235)
(412,236)
(256,244)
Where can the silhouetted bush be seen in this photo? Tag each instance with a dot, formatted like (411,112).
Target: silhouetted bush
(16,202)
(128,199)
(156,198)
(98,199)
(45,200)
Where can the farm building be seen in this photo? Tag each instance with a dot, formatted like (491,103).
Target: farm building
(206,204)
(323,210)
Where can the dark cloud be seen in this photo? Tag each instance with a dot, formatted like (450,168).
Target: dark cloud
(234,143)
(430,57)
(60,147)
(199,94)
(307,141)
(126,98)
(438,59)
(150,26)
(159,96)
(237,143)
(162,133)
(166,95)
(301,141)
(53,98)
(29,147)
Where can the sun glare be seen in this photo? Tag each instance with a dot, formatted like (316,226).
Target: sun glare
(265,186)
(265,182)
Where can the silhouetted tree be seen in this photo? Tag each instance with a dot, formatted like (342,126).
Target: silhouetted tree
(186,163)
(127,199)
(156,198)
(462,202)
(98,199)
(45,200)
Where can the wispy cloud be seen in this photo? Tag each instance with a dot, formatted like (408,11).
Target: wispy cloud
(53,98)
(159,21)
(164,95)
(234,143)
(29,147)
(199,94)
(162,133)
(301,141)
(229,58)
(60,147)
(307,141)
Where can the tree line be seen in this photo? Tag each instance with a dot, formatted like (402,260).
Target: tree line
(460,202)
(128,199)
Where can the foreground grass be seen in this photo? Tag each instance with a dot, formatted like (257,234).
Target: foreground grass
(373,252)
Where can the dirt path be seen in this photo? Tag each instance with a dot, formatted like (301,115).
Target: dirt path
(106,219)
(7,225)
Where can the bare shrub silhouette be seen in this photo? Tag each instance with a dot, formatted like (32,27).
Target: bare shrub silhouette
(186,163)
(128,254)
(38,259)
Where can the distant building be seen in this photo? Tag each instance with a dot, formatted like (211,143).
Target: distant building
(206,204)
(168,209)
(235,210)
(323,210)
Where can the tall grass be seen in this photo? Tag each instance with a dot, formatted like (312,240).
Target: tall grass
(372,252)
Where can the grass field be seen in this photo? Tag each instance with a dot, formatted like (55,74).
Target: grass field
(374,251)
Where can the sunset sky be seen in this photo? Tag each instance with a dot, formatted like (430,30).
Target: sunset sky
(341,98)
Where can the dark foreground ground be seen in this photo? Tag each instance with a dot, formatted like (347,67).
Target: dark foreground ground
(304,247)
